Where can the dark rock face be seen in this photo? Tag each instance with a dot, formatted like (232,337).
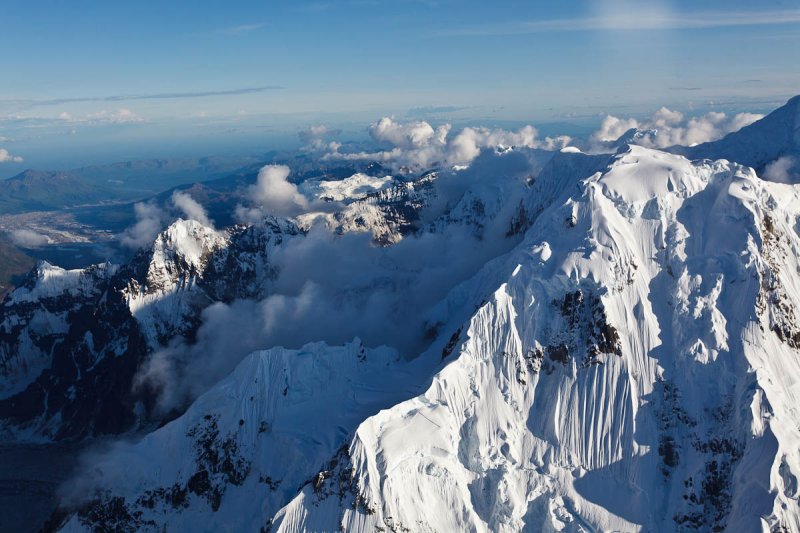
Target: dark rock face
(773,301)
(86,390)
(585,331)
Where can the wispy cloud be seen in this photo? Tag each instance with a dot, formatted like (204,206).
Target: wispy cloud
(634,20)
(241,29)
(425,111)
(129,97)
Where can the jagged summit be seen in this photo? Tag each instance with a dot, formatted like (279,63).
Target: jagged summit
(73,340)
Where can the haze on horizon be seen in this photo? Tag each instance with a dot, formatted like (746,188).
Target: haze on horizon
(90,82)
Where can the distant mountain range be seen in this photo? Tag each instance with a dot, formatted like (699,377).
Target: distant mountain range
(38,190)
(34,190)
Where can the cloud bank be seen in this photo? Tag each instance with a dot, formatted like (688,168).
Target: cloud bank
(669,128)
(316,138)
(150,219)
(131,97)
(627,15)
(417,145)
(331,287)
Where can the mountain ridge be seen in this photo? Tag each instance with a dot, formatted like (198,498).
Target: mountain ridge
(545,396)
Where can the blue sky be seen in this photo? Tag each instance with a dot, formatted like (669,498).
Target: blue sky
(84,80)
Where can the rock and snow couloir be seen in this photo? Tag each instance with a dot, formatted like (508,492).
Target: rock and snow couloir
(632,365)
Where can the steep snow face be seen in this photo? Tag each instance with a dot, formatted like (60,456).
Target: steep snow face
(243,449)
(636,372)
(634,367)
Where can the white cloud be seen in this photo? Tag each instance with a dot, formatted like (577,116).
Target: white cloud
(190,208)
(314,137)
(612,128)
(119,116)
(150,219)
(783,170)
(669,128)
(26,238)
(6,157)
(419,146)
(408,134)
(744,119)
(122,115)
(272,194)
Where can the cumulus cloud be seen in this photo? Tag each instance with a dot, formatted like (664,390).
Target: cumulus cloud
(418,145)
(27,238)
(272,194)
(409,134)
(314,137)
(669,128)
(783,170)
(150,219)
(6,157)
(190,208)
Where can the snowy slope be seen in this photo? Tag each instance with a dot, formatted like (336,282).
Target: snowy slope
(634,366)
(637,371)
(245,447)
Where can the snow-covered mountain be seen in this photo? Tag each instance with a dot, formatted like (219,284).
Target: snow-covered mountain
(633,370)
(628,363)
(72,341)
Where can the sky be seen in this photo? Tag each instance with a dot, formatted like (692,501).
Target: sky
(85,82)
